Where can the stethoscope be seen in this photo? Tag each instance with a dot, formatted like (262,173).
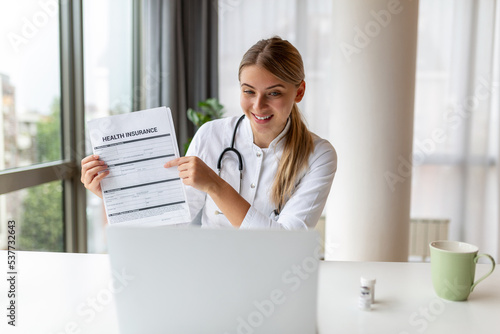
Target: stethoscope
(240,163)
(232,149)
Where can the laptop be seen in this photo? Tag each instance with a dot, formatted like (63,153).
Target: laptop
(224,281)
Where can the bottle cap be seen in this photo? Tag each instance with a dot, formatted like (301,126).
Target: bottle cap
(367,281)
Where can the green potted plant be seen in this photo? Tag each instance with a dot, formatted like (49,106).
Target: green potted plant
(210,109)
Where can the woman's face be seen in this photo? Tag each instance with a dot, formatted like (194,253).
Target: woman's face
(267,102)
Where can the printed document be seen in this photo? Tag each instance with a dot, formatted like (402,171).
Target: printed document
(138,188)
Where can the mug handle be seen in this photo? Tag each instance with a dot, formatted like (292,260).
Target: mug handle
(488,274)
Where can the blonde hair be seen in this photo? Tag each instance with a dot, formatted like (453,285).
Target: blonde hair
(283,60)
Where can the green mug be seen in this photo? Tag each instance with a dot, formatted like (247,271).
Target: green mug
(453,267)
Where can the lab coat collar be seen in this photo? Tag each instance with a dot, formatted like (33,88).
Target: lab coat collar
(276,141)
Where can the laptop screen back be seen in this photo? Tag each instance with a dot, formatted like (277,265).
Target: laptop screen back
(192,280)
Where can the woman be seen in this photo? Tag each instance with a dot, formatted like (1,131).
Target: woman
(287,170)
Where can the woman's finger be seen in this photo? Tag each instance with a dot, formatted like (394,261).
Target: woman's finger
(178,161)
(172,163)
(89,158)
(89,166)
(93,173)
(96,181)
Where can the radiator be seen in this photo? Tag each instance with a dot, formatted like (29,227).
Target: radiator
(422,232)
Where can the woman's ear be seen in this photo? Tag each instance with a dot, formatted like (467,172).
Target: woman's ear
(300,92)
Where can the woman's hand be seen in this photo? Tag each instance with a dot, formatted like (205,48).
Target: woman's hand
(91,166)
(195,173)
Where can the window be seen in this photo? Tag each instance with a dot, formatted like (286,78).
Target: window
(38,213)
(44,108)
(456,136)
(30,118)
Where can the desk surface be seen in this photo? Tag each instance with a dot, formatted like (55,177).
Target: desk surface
(61,293)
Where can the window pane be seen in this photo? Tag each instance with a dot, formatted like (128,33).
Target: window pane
(29,83)
(38,213)
(108,82)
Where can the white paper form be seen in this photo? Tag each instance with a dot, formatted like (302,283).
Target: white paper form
(138,188)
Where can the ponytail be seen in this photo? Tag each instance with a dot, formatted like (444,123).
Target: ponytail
(298,146)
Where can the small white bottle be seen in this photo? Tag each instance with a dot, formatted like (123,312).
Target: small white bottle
(369,283)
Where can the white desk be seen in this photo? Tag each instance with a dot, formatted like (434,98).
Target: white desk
(69,293)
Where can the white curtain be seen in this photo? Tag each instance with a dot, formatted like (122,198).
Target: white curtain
(456,138)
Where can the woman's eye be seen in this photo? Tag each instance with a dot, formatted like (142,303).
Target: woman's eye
(275,93)
(248,92)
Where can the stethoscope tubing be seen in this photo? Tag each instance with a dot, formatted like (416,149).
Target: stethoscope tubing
(232,149)
(240,160)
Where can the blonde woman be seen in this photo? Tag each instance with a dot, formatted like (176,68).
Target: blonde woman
(274,173)
(287,170)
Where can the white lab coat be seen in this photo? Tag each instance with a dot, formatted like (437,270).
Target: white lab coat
(301,211)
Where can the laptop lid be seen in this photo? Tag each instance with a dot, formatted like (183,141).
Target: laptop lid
(193,280)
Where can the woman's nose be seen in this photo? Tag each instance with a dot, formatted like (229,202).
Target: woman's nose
(259,103)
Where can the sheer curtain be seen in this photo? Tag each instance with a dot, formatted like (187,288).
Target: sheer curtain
(456,137)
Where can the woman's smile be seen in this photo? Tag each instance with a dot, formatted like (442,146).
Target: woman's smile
(262,119)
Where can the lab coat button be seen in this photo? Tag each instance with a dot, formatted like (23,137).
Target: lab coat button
(259,154)
(252,185)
